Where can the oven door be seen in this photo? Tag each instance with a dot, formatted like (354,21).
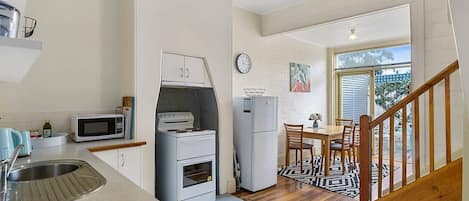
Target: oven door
(196,177)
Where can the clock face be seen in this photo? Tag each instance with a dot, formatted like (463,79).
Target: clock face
(243,63)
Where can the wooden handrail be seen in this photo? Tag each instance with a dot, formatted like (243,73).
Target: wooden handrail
(367,127)
(365,158)
(415,94)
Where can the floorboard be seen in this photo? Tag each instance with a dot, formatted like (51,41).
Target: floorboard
(290,190)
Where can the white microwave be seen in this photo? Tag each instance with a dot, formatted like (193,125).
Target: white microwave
(90,127)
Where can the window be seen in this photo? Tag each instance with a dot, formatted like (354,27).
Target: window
(375,57)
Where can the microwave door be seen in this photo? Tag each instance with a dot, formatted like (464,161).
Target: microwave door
(96,127)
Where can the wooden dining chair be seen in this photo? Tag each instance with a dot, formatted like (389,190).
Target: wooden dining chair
(345,146)
(356,144)
(343,122)
(294,140)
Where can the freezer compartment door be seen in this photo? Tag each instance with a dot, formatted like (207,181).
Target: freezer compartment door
(264,162)
(265,114)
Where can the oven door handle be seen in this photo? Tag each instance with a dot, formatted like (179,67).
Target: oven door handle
(197,139)
(194,161)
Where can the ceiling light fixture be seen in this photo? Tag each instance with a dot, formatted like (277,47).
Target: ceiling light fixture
(353,34)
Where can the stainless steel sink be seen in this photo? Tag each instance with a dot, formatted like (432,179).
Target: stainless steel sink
(63,180)
(42,170)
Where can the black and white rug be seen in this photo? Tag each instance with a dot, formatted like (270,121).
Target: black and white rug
(348,184)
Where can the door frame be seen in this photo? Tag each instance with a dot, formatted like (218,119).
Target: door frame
(363,71)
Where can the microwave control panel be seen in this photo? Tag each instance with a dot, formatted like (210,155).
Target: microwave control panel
(119,125)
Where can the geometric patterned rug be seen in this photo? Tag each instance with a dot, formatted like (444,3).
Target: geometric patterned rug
(348,184)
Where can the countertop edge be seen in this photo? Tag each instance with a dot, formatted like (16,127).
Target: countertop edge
(116,146)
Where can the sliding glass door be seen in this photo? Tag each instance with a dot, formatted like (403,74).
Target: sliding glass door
(369,82)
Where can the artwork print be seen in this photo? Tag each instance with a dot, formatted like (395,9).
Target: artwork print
(300,77)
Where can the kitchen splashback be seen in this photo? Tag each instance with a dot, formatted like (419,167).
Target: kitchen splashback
(180,100)
(35,120)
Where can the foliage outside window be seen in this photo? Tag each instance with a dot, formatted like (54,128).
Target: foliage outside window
(374,57)
(387,94)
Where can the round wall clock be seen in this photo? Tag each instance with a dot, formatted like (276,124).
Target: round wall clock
(243,63)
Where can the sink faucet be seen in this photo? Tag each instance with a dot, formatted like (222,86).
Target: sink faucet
(6,167)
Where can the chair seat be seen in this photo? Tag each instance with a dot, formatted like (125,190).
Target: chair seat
(339,141)
(297,146)
(338,146)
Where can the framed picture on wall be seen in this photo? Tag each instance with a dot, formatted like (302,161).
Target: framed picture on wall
(300,77)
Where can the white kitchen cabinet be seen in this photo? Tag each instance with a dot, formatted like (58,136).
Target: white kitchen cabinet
(130,160)
(173,68)
(17,56)
(195,70)
(126,161)
(110,157)
(179,70)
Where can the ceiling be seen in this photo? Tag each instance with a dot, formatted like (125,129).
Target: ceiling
(386,25)
(263,7)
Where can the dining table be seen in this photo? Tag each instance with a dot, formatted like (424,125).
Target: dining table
(326,134)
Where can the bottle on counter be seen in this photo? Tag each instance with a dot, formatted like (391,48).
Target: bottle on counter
(47,130)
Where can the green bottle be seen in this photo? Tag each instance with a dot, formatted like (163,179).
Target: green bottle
(47,130)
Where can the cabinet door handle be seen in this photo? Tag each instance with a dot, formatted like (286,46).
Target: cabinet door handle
(181,72)
(187,73)
(122,160)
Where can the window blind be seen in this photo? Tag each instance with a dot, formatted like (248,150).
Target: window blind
(354,96)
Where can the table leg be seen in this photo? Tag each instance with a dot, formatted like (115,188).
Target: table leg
(327,155)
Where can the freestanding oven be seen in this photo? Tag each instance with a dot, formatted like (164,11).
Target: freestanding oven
(186,165)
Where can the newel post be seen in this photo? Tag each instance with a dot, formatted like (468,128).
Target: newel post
(365,158)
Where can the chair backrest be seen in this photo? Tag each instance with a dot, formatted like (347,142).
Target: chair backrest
(356,135)
(343,122)
(294,134)
(347,136)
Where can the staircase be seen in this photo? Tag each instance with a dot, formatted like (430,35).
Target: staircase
(442,184)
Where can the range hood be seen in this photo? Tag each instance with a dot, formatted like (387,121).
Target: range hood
(16,57)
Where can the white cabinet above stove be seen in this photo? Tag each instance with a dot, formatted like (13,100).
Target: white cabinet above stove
(184,71)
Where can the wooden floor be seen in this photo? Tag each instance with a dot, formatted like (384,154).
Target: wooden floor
(291,190)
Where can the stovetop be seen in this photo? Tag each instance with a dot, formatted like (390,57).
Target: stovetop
(185,130)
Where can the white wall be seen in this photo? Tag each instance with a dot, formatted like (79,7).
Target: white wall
(79,69)
(440,51)
(461,30)
(198,28)
(271,57)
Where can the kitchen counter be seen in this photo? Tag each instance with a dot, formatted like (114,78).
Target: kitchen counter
(117,187)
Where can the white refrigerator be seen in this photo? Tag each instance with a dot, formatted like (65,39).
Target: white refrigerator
(255,133)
